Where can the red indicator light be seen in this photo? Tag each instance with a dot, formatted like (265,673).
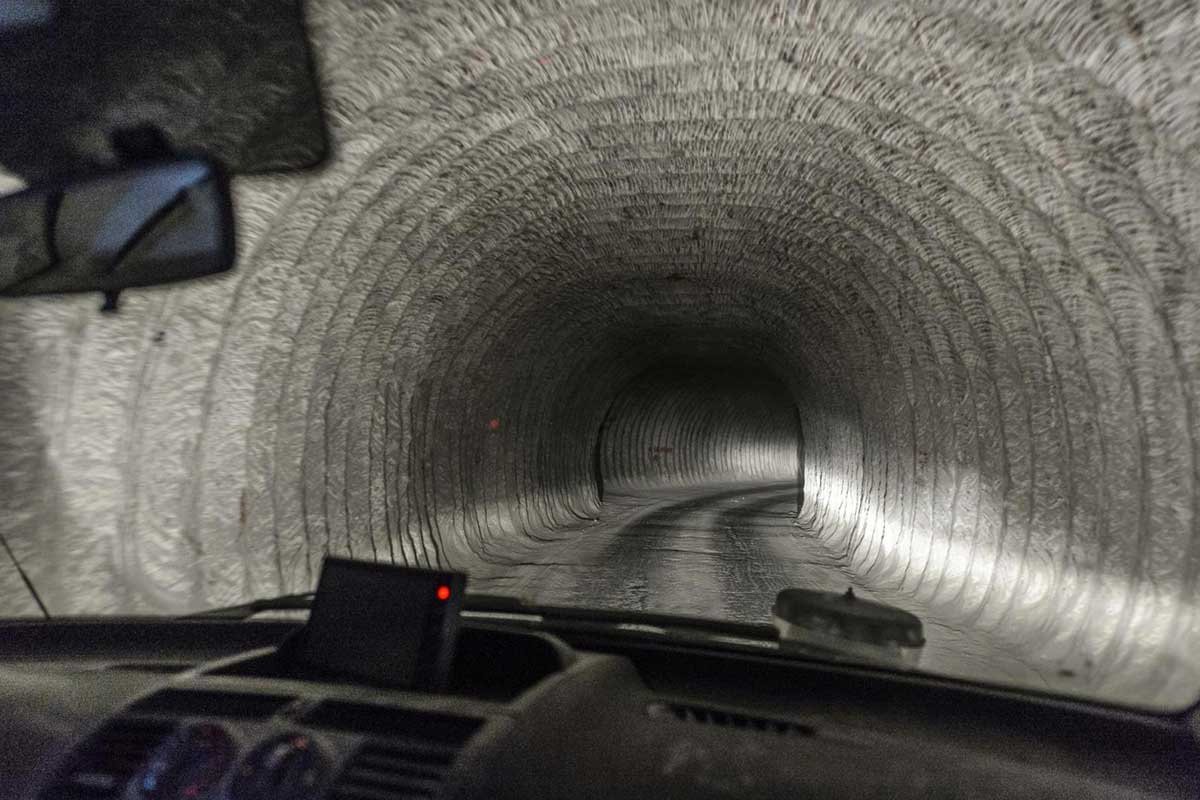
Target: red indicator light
(443,593)
(494,424)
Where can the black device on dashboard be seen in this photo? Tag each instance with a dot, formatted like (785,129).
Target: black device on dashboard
(383,624)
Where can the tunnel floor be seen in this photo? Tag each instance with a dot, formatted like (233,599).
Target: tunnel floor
(722,551)
(715,550)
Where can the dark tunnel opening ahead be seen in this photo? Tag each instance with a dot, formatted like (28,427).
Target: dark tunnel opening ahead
(686,425)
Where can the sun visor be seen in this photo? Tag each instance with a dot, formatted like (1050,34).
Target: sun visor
(234,80)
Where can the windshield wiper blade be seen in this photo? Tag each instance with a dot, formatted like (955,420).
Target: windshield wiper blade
(285,602)
(571,619)
(489,604)
(574,619)
(25,577)
(302,601)
(614,619)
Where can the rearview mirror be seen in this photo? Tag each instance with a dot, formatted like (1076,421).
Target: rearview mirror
(143,225)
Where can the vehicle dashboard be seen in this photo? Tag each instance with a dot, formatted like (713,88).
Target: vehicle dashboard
(142,708)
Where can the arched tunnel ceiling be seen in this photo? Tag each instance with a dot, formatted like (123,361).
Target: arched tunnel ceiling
(964,237)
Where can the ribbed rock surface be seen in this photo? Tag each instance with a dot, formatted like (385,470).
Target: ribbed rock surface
(964,236)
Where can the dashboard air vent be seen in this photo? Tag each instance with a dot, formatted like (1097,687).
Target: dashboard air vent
(395,771)
(728,719)
(107,760)
(207,703)
(408,756)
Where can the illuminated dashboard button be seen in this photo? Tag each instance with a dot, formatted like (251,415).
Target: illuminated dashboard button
(188,765)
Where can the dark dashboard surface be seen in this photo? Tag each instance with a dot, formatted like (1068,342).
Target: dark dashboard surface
(99,710)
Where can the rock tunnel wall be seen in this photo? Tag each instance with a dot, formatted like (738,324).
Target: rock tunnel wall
(699,424)
(963,235)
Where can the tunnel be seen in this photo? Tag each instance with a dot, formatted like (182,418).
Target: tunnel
(681,425)
(668,306)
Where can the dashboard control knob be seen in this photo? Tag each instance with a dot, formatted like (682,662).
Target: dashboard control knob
(188,764)
(289,767)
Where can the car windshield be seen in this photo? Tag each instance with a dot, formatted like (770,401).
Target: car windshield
(668,307)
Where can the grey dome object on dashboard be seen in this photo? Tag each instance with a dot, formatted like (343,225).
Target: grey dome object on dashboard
(964,237)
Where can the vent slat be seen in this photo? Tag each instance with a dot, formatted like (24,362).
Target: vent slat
(363,793)
(393,771)
(396,763)
(700,715)
(408,757)
(393,782)
(411,748)
(374,778)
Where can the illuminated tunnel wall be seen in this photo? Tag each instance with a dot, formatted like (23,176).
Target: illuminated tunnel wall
(964,236)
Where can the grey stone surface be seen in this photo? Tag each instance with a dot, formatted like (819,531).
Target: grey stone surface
(722,551)
(963,236)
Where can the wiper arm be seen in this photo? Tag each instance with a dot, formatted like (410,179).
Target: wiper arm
(285,602)
(856,619)
(614,620)
(492,604)
(844,628)
(568,619)
(303,602)
(24,577)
